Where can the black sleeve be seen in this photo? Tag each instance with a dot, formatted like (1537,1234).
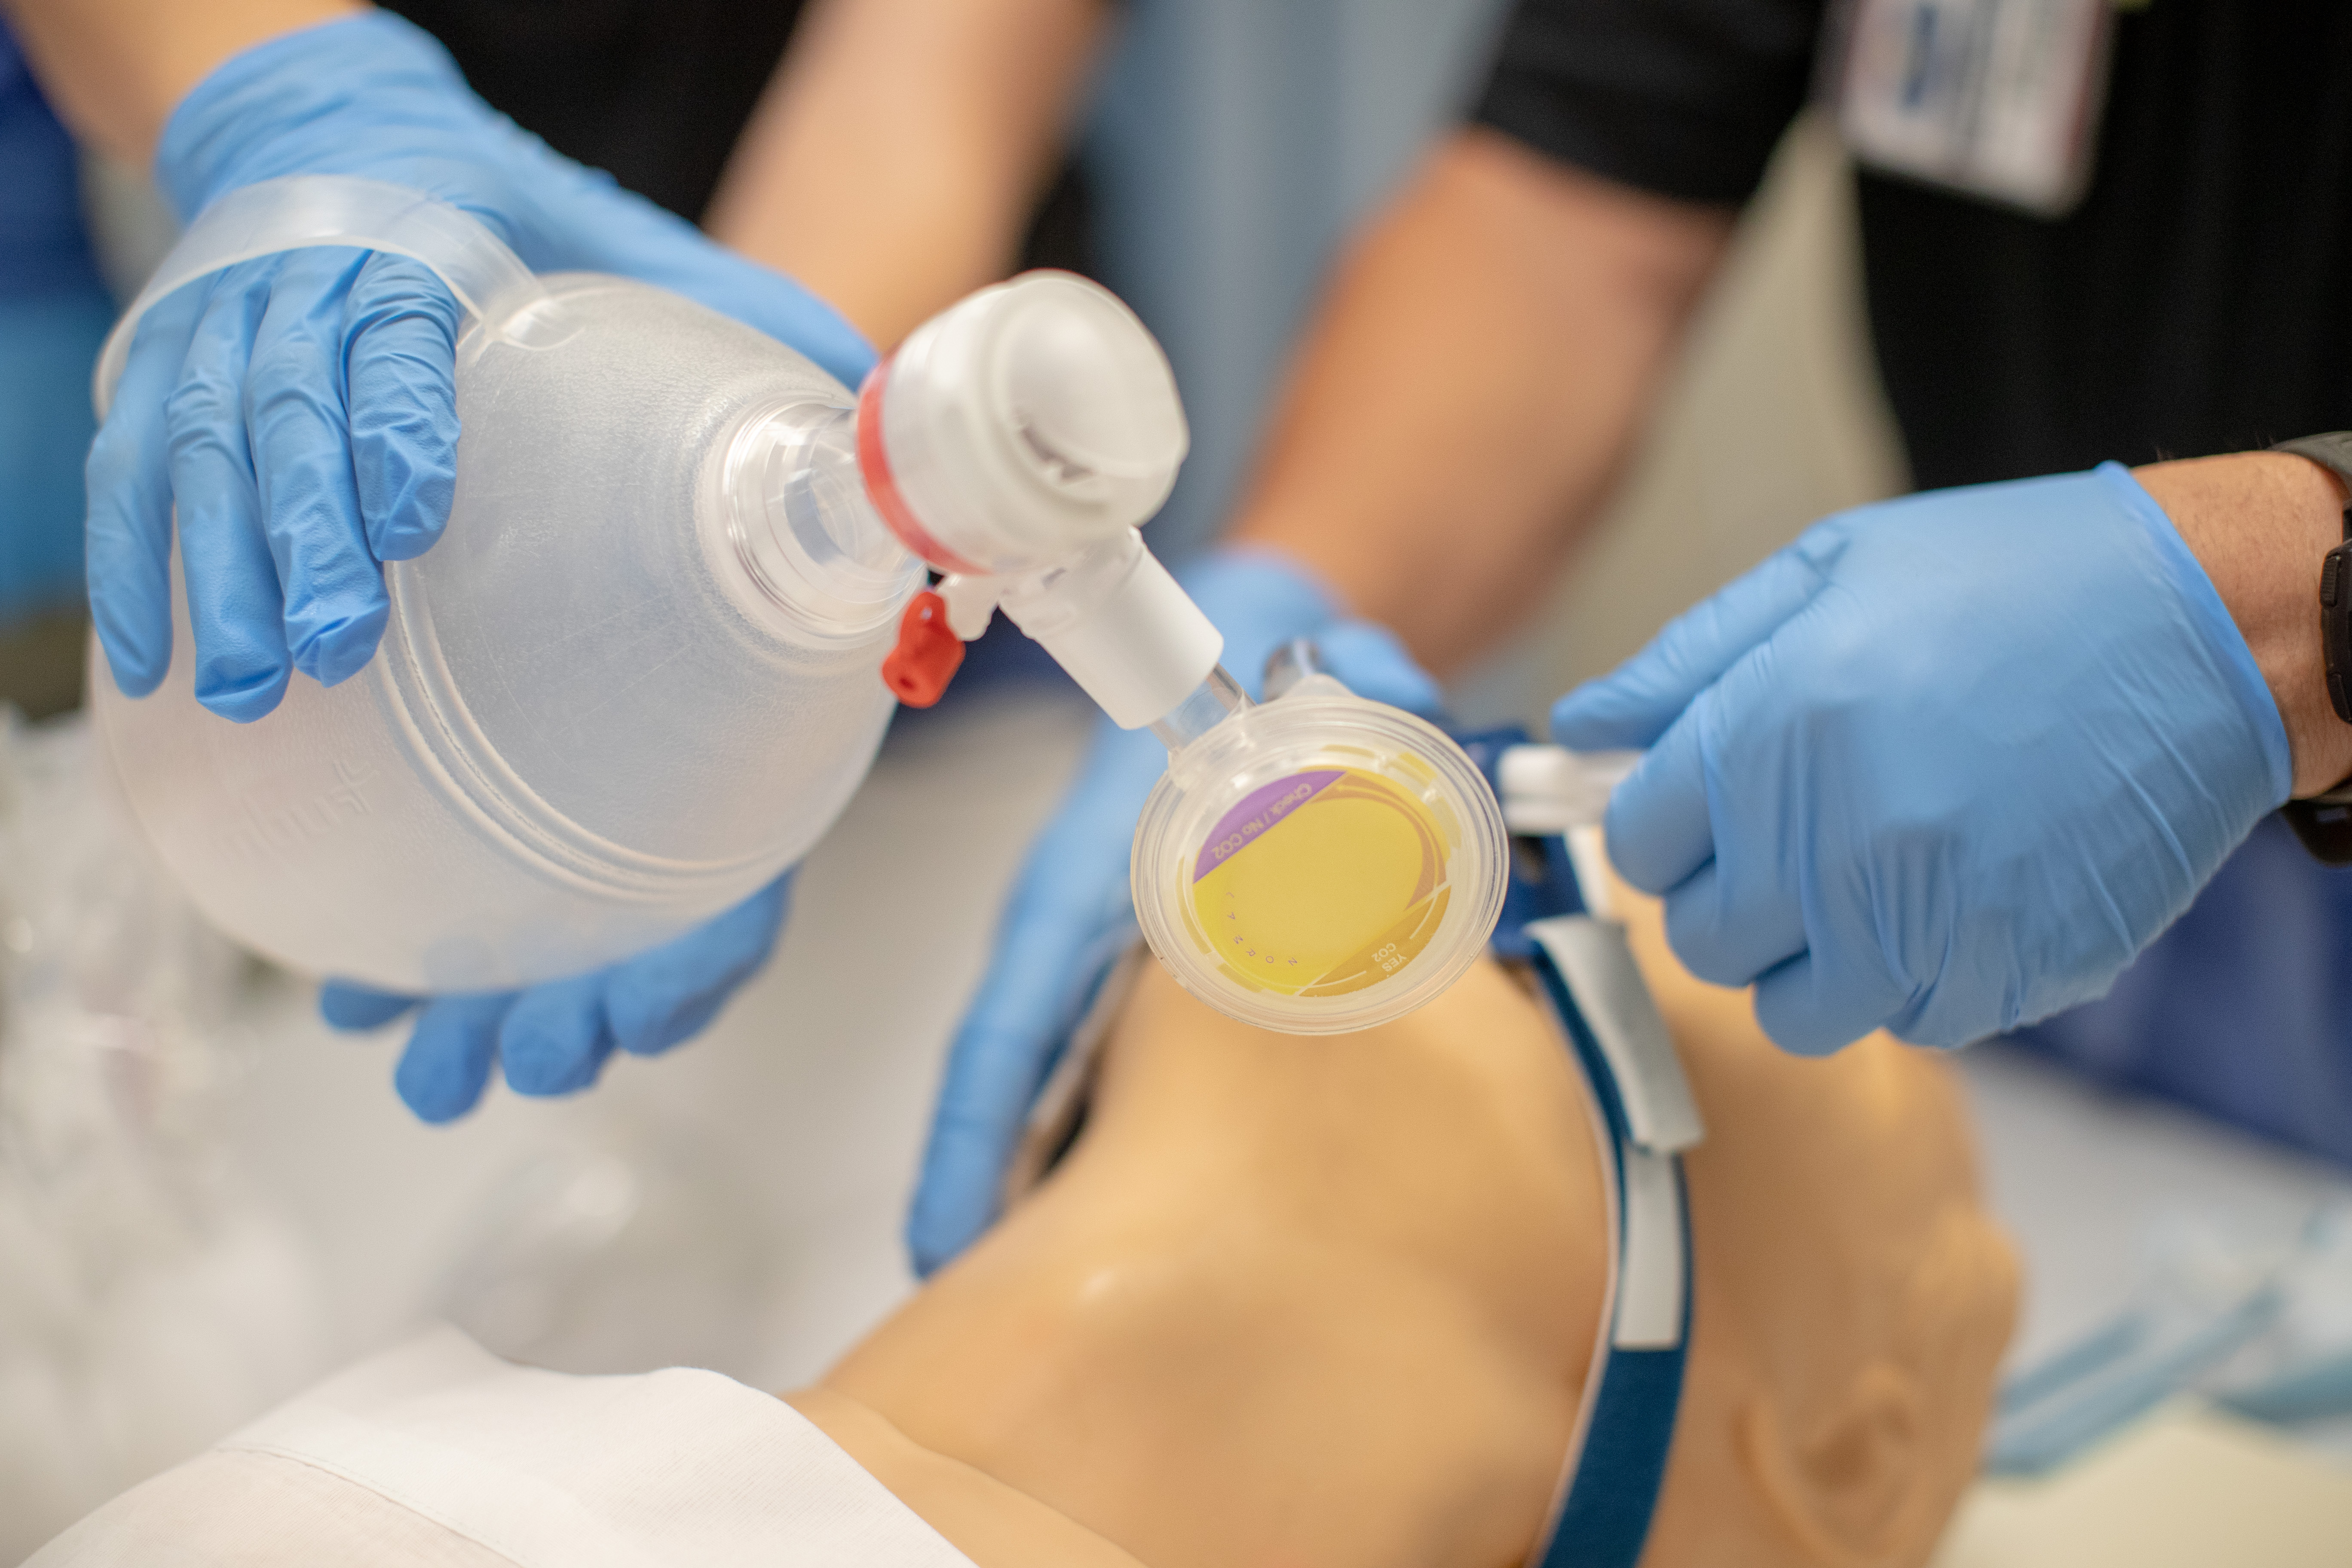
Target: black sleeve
(1683,97)
(655,92)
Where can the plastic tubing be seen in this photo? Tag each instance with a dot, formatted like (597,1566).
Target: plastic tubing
(301,211)
(1217,698)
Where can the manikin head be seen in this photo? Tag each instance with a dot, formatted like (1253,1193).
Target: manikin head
(1334,1299)
(1297,1299)
(1854,1296)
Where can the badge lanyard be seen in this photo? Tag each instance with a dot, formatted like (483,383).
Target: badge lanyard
(1996,98)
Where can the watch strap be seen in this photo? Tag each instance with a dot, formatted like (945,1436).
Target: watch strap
(2325,826)
(2332,451)
(2324,821)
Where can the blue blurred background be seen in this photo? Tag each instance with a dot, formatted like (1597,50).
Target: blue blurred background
(54,311)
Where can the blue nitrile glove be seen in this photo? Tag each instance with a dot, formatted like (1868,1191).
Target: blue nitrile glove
(1943,765)
(1071,915)
(299,408)
(299,412)
(2242,1009)
(556,1038)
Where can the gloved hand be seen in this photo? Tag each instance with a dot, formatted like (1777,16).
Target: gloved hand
(1071,915)
(299,412)
(299,409)
(1943,765)
(556,1038)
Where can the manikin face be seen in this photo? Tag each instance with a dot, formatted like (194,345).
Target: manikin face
(1332,1300)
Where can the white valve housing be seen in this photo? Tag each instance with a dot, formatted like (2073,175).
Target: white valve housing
(1027,423)
(1015,441)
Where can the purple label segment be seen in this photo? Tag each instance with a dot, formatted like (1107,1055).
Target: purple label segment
(1257,811)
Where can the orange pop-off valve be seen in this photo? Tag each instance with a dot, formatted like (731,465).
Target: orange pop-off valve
(929,653)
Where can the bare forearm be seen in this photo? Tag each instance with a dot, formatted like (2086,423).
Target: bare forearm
(116,68)
(2259,523)
(898,154)
(1473,388)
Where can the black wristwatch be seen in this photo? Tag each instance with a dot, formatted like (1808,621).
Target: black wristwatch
(2324,821)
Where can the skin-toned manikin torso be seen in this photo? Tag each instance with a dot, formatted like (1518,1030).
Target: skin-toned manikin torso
(1330,1301)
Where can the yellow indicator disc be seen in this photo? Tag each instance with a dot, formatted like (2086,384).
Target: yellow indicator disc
(1326,881)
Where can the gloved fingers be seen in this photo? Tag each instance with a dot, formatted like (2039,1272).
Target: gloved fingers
(556,1038)
(1369,660)
(659,999)
(1809,1012)
(1073,886)
(810,326)
(1069,917)
(447,1063)
(1042,979)
(128,480)
(661,247)
(1660,828)
(1725,938)
(400,342)
(1980,994)
(345,1006)
(686,1018)
(233,607)
(1258,599)
(1633,704)
(974,1132)
(1098,811)
(335,603)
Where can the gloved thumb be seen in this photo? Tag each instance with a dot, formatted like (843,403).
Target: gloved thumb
(1634,704)
(1370,661)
